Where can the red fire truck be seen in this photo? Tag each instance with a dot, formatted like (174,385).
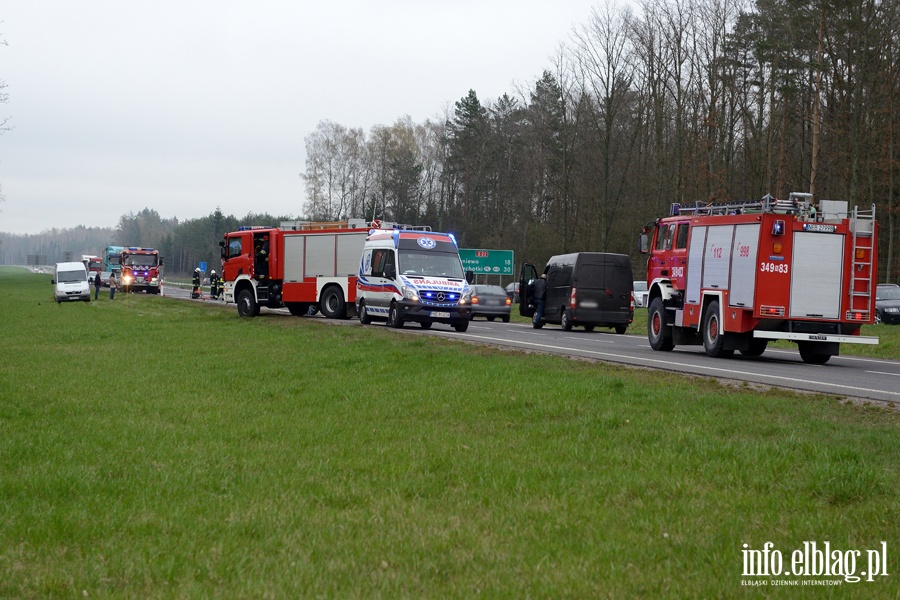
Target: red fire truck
(734,276)
(300,265)
(141,270)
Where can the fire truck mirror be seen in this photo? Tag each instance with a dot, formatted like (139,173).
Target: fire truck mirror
(644,243)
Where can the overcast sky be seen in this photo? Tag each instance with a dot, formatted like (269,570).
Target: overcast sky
(184,105)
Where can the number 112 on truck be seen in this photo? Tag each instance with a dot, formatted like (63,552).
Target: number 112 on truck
(734,276)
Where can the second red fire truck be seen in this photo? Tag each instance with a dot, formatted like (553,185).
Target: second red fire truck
(735,276)
(141,270)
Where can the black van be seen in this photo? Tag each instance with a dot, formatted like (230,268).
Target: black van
(584,288)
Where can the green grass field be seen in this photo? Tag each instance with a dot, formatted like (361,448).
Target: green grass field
(157,448)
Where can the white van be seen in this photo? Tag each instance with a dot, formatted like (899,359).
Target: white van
(411,275)
(71,282)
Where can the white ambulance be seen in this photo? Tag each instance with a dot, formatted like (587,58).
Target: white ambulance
(413,275)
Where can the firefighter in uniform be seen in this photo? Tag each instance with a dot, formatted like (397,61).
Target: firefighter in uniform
(195,292)
(214,285)
(262,257)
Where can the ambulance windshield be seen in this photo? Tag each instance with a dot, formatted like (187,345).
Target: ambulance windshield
(430,264)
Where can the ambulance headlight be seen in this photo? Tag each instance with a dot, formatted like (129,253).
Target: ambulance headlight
(466,298)
(410,293)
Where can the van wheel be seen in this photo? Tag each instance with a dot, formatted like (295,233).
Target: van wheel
(394,319)
(713,336)
(565,320)
(425,324)
(364,317)
(506,319)
(332,303)
(589,328)
(246,304)
(658,332)
(621,329)
(461,327)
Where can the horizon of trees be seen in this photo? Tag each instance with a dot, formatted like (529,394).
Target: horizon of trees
(684,101)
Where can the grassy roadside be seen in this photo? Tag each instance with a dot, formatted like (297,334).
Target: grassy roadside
(156,448)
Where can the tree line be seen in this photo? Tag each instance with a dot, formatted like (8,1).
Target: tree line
(684,101)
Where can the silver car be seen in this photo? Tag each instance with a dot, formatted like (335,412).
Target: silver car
(640,294)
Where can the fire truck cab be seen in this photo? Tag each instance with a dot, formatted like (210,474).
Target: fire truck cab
(734,276)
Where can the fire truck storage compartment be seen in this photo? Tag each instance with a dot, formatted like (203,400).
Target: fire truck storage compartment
(727,258)
(293,258)
(325,255)
(816,291)
(743,265)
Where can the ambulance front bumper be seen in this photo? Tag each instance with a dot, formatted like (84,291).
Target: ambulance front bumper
(416,311)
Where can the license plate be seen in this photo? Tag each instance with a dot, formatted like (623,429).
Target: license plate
(440,315)
(588,304)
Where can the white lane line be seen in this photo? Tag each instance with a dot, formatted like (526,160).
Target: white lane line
(669,363)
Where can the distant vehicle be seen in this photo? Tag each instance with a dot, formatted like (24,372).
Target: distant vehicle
(640,294)
(94,264)
(589,289)
(490,301)
(70,283)
(887,303)
(104,278)
(141,270)
(113,259)
(512,290)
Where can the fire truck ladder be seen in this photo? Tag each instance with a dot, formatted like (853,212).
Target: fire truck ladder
(862,226)
(798,203)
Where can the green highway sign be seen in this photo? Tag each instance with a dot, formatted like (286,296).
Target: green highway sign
(487,262)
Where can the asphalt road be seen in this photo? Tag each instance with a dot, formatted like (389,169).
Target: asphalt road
(842,376)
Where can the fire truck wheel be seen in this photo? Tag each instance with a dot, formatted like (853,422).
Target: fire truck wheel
(713,336)
(332,304)
(565,320)
(394,319)
(810,356)
(657,330)
(364,317)
(246,304)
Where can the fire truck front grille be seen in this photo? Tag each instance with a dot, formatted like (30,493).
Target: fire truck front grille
(439,298)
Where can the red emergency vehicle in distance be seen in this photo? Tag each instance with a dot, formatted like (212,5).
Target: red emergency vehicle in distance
(141,270)
(733,276)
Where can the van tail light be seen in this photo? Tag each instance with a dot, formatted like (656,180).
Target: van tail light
(632,301)
(572,299)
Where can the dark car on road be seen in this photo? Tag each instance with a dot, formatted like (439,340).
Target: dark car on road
(512,290)
(490,301)
(887,303)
